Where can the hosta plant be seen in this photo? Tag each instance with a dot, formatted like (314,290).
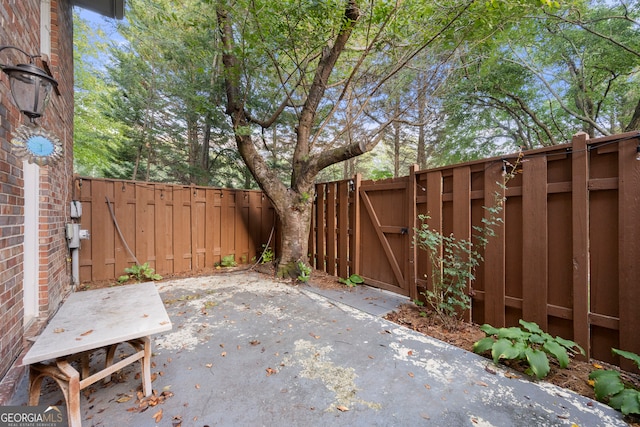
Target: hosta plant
(609,387)
(528,343)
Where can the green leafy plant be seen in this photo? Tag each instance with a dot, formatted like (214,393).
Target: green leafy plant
(454,261)
(352,281)
(228,261)
(139,273)
(528,343)
(304,270)
(267,254)
(609,387)
(451,270)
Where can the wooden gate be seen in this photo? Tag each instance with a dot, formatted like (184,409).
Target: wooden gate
(387,218)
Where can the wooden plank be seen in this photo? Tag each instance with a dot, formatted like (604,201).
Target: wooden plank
(193,227)
(412,218)
(629,249)
(355,241)
(343,228)
(434,211)
(320,248)
(161,230)
(535,254)
(462,216)
(331,228)
(494,254)
(580,231)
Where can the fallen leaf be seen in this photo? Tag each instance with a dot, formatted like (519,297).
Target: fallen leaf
(410,353)
(410,374)
(510,375)
(198,386)
(482,384)
(427,386)
(271,371)
(223,354)
(488,369)
(145,315)
(342,408)
(254,342)
(154,376)
(314,335)
(124,398)
(158,416)
(166,388)
(177,421)
(592,383)
(58,330)
(597,366)
(208,365)
(164,322)
(371,357)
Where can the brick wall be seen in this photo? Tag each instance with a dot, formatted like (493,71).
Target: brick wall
(20,26)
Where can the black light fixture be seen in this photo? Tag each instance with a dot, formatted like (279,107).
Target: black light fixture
(30,85)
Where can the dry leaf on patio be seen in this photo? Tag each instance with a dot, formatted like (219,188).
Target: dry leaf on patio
(86,333)
(342,408)
(198,386)
(124,398)
(209,365)
(271,371)
(58,330)
(410,374)
(158,416)
(512,376)
(254,342)
(314,335)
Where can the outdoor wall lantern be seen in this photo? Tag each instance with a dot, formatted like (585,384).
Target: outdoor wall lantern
(30,85)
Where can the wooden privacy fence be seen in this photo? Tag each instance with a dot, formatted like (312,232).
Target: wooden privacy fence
(566,257)
(175,228)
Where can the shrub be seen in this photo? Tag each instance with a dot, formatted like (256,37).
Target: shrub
(528,343)
(609,387)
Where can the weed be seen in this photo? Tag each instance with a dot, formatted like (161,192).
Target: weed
(305,272)
(228,261)
(352,280)
(139,273)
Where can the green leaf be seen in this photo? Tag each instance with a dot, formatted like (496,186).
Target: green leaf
(558,351)
(536,339)
(607,383)
(488,329)
(356,279)
(512,333)
(504,349)
(531,327)
(627,401)
(538,362)
(569,344)
(483,345)
(627,354)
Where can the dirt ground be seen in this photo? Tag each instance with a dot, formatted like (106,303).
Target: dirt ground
(462,335)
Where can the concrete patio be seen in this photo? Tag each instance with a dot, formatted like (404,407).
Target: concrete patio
(246,350)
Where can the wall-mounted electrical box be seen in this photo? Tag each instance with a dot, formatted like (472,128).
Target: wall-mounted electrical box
(76,209)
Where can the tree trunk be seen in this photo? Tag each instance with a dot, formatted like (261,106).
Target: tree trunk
(295,220)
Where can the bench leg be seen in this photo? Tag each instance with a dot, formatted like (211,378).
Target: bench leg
(67,378)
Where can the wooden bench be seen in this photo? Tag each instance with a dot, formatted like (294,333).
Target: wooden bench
(92,320)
